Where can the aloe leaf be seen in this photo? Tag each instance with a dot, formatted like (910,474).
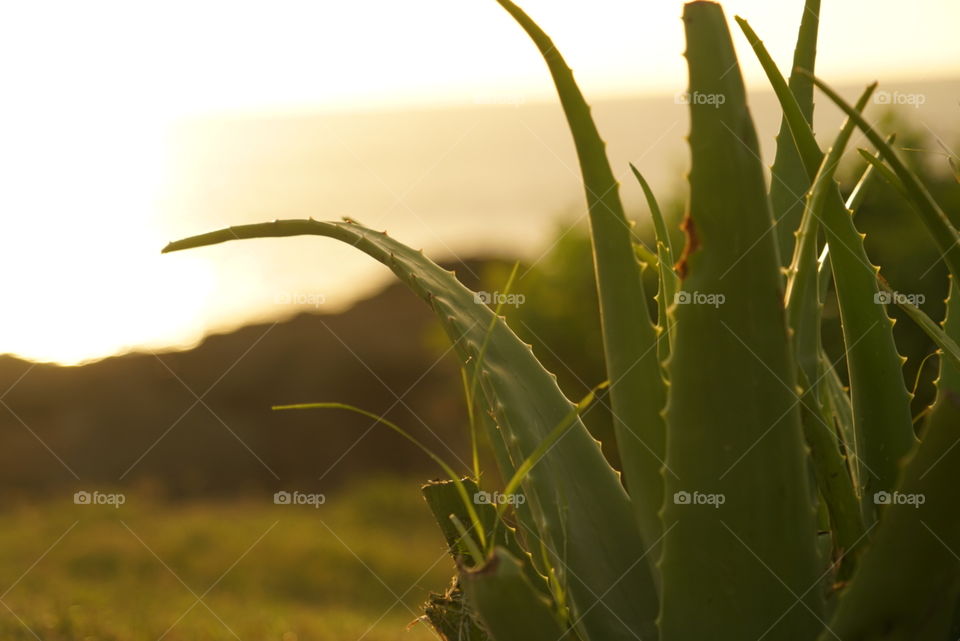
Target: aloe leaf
(803,290)
(669,281)
(834,481)
(789,179)
(637,390)
(942,231)
(881,403)
(946,408)
(949,350)
(908,581)
(874,161)
(837,398)
(794,115)
(734,434)
(443,498)
(579,504)
(853,204)
(526,467)
(803,313)
(508,605)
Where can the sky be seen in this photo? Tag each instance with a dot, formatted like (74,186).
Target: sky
(93,90)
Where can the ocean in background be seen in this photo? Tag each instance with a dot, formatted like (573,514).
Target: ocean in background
(489,179)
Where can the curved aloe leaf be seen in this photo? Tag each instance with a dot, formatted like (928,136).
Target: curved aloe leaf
(734,432)
(881,403)
(853,204)
(942,231)
(841,409)
(788,178)
(669,282)
(803,312)
(803,287)
(949,350)
(875,162)
(908,582)
(509,606)
(637,390)
(581,509)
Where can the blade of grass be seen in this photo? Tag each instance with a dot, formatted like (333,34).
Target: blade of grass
(454,477)
(547,444)
(478,365)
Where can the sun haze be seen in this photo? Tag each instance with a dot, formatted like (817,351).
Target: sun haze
(94,91)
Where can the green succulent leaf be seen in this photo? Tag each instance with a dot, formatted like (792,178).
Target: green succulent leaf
(942,231)
(637,390)
(733,413)
(908,582)
(789,180)
(508,605)
(803,312)
(880,400)
(669,282)
(583,515)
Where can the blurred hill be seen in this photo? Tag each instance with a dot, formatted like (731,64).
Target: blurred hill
(135,420)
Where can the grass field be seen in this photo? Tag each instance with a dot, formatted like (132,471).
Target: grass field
(357,567)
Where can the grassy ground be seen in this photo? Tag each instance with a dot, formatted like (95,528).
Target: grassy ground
(356,568)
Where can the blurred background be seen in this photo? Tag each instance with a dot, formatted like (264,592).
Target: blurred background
(127,373)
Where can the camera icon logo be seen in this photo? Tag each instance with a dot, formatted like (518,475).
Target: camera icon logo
(681,298)
(282,498)
(883,298)
(882,498)
(81,498)
(681,498)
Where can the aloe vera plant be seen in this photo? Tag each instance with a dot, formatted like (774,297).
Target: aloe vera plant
(761,497)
